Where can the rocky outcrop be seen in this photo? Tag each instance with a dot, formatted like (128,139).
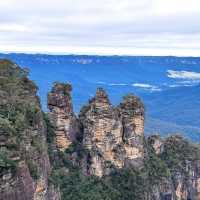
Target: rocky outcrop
(62,115)
(183,163)
(113,136)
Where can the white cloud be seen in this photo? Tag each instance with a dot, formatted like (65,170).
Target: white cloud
(112,84)
(156,27)
(142,85)
(152,88)
(183,75)
(117,84)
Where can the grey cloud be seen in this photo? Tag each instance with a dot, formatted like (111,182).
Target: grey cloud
(102,24)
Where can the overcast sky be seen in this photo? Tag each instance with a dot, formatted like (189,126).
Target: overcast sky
(128,27)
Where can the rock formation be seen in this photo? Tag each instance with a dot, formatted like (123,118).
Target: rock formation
(102,133)
(113,136)
(132,113)
(62,115)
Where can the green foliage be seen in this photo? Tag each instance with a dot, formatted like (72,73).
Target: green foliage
(64,87)
(157,169)
(6,162)
(76,186)
(33,169)
(50,129)
(132,104)
(19,109)
(31,112)
(155,166)
(177,151)
(19,122)
(38,144)
(19,115)
(5,127)
(10,69)
(130,183)
(121,185)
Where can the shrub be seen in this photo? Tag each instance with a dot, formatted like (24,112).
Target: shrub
(6,162)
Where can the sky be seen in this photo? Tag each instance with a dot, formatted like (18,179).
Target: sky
(103,27)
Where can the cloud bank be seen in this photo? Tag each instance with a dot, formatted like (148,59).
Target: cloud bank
(139,27)
(183,75)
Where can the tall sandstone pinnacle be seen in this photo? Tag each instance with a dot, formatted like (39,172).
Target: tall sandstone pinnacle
(102,133)
(62,115)
(132,113)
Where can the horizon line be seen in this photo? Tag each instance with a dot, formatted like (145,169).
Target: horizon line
(96,54)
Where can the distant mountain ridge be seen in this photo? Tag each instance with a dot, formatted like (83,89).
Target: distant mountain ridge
(167,85)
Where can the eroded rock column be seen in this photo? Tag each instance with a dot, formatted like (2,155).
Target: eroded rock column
(62,115)
(102,133)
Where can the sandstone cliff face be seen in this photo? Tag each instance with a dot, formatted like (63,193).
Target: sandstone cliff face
(62,116)
(112,135)
(24,161)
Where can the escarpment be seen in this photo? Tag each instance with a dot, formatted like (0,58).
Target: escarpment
(24,160)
